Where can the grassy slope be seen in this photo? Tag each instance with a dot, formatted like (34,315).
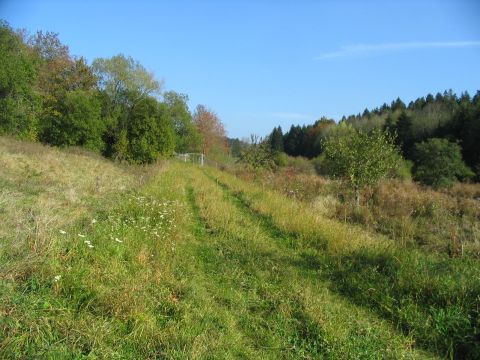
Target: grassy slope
(178,267)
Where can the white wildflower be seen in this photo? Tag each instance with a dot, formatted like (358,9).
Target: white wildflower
(118,240)
(81,235)
(57,278)
(63,232)
(94,221)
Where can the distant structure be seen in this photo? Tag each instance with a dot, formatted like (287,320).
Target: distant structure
(194,158)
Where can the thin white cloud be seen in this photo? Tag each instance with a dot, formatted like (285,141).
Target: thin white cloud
(290,115)
(373,49)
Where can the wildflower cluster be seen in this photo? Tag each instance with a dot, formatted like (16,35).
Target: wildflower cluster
(152,216)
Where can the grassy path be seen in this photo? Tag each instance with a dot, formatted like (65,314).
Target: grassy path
(180,268)
(281,307)
(434,300)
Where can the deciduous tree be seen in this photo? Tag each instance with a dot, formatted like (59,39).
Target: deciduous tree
(19,102)
(125,80)
(147,134)
(258,154)
(212,131)
(360,158)
(187,138)
(77,123)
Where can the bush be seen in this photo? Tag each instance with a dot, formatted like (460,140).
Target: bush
(258,155)
(438,163)
(320,165)
(148,133)
(404,170)
(280,159)
(361,159)
(77,123)
(301,165)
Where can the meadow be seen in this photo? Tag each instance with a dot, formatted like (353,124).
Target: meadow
(100,260)
(445,221)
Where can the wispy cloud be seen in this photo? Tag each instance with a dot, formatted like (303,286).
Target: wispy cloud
(290,115)
(374,49)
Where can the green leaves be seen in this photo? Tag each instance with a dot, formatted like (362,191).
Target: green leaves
(187,137)
(359,158)
(78,123)
(439,163)
(258,154)
(19,102)
(149,132)
(124,79)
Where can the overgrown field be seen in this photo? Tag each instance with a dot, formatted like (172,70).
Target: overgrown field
(446,221)
(178,262)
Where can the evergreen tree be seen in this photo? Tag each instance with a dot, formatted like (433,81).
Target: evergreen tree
(467,126)
(398,105)
(276,139)
(404,134)
(293,141)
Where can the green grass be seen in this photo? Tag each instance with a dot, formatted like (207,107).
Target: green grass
(285,295)
(188,263)
(433,298)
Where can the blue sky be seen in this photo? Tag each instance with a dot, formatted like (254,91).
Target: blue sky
(260,64)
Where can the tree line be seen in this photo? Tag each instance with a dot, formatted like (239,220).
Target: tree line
(437,135)
(113,106)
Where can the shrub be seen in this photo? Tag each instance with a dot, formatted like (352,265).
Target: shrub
(149,132)
(360,159)
(301,165)
(320,165)
(77,123)
(258,155)
(438,163)
(281,159)
(404,170)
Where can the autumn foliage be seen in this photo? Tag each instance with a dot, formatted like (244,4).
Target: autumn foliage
(212,132)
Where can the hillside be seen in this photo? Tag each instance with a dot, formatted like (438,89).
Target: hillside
(100,260)
(453,118)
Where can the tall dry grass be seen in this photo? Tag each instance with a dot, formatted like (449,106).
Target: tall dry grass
(446,221)
(43,190)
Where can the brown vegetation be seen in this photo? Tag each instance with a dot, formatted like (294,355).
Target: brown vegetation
(447,221)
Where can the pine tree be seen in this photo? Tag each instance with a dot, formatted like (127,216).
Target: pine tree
(404,134)
(293,141)
(276,140)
